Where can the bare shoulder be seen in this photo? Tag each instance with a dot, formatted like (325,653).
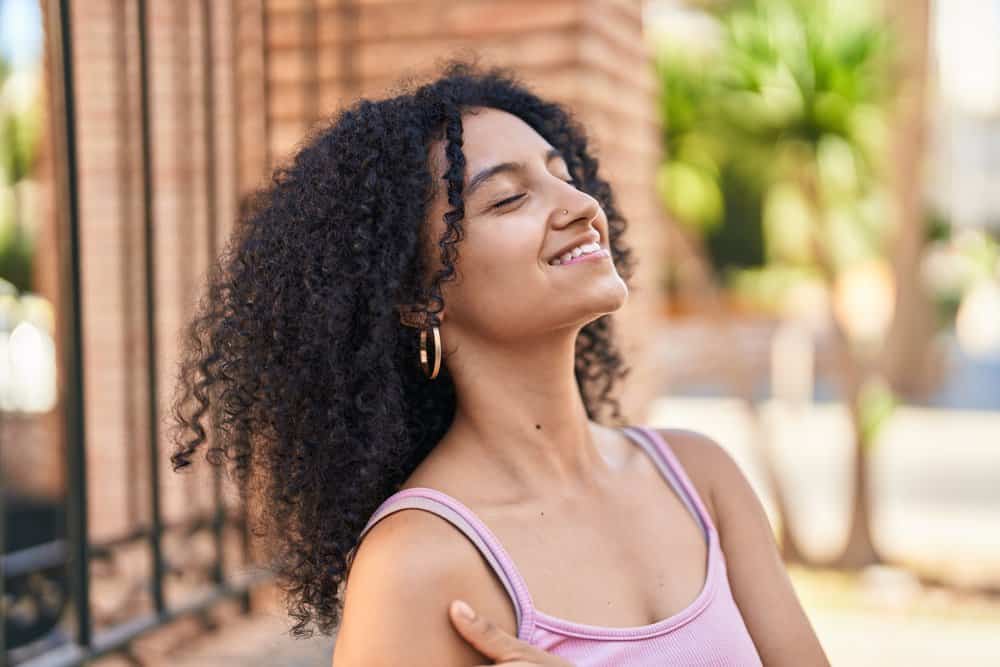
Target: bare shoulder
(404,575)
(704,460)
(778,624)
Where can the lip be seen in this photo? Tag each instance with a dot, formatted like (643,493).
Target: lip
(592,236)
(603,253)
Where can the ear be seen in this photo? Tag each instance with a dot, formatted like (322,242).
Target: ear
(411,316)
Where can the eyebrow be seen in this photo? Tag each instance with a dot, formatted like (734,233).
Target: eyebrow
(490,172)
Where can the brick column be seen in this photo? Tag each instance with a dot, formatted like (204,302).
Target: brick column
(278,65)
(319,54)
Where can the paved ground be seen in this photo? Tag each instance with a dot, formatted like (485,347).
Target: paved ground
(260,641)
(867,640)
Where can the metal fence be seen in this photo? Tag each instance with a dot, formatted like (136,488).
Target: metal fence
(54,576)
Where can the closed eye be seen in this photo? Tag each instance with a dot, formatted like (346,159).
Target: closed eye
(511,200)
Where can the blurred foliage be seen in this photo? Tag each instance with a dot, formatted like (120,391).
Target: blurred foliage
(876,404)
(20,133)
(775,137)
(955,264)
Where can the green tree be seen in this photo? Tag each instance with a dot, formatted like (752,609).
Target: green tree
(19,139)
(779,134)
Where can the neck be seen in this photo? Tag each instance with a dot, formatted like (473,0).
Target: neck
(520,413)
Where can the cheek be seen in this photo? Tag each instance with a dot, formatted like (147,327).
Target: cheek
(506,259)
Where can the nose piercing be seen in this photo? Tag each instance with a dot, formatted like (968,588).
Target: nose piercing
(565,211)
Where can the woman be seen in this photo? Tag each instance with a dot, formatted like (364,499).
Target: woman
(416,315)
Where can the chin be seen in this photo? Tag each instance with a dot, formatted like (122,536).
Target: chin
(617,297)
(610,302)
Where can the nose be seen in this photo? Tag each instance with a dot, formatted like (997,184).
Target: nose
(573,208)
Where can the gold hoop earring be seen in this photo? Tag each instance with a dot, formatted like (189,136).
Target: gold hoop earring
(437,352)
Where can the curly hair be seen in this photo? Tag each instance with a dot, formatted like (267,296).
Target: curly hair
(296,354)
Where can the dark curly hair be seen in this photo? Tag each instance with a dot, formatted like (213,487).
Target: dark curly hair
(296,354)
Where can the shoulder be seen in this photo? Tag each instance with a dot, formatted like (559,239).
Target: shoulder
(760,585)
(708,465)
(403,576)
(731,499)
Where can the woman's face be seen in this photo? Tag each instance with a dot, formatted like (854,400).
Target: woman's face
(506,287)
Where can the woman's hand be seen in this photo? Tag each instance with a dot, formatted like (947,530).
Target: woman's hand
(494,643)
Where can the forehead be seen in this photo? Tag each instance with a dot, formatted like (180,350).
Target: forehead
(490,136)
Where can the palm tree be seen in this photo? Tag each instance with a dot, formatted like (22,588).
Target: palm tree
(793,106)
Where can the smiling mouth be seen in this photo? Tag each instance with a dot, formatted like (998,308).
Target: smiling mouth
(601,254)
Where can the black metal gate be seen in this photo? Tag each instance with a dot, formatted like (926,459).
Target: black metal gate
(52,576)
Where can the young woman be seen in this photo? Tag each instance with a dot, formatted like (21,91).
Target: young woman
(417,315)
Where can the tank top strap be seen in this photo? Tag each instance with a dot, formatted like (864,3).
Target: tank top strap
(463,518)
(671,468)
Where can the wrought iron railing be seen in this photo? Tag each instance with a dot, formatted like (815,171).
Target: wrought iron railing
(50,581)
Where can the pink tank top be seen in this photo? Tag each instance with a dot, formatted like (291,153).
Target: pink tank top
(708,632)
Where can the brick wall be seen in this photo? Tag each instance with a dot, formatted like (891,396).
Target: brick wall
(320,54)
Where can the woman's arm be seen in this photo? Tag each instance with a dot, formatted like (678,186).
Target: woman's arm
(408,569)
(759,581)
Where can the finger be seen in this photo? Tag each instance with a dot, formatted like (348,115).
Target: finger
(486,636)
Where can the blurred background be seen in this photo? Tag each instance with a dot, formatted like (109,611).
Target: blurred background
(813,189)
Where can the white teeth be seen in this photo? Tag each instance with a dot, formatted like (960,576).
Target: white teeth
(584,249)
